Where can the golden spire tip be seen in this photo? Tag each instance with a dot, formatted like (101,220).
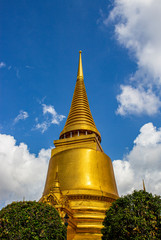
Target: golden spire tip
(80,68)
(144,189)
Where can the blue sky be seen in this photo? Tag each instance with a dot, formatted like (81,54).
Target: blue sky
(39,48)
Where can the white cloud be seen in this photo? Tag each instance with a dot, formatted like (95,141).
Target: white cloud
(137,28)
(2,65)
(43,126)
(51,117)
(21,116)
(142,162)
(124,176)
(136,101)
(17,72)
(56,118)
(22,174)
(149,136)
(29,67)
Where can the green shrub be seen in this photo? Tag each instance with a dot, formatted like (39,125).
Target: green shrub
(135,216)
(31,221)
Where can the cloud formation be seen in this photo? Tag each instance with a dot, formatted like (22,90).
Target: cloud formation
(142,162)
(2,65)
(51,117)
(137,28)
(21,116)
(22,174)
(136,101)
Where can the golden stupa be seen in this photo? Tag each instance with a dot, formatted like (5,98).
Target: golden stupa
(80,179)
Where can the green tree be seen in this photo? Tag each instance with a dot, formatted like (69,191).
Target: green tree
(31,221)
(134,216)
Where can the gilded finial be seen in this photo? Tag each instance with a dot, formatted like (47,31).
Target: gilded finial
(80,68)
(144,189)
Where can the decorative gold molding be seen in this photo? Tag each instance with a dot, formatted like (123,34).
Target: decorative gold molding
(90,197)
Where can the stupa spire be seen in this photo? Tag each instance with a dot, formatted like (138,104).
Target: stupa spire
(80,67)
(144,189)
(80,117)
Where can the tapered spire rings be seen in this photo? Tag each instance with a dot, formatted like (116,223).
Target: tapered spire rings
(80,118)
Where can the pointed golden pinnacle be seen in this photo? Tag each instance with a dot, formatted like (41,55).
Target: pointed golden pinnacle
(144,189)
(80,68)
(80,117)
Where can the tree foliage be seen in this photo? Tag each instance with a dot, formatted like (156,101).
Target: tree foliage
(31,220)
(134,216)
